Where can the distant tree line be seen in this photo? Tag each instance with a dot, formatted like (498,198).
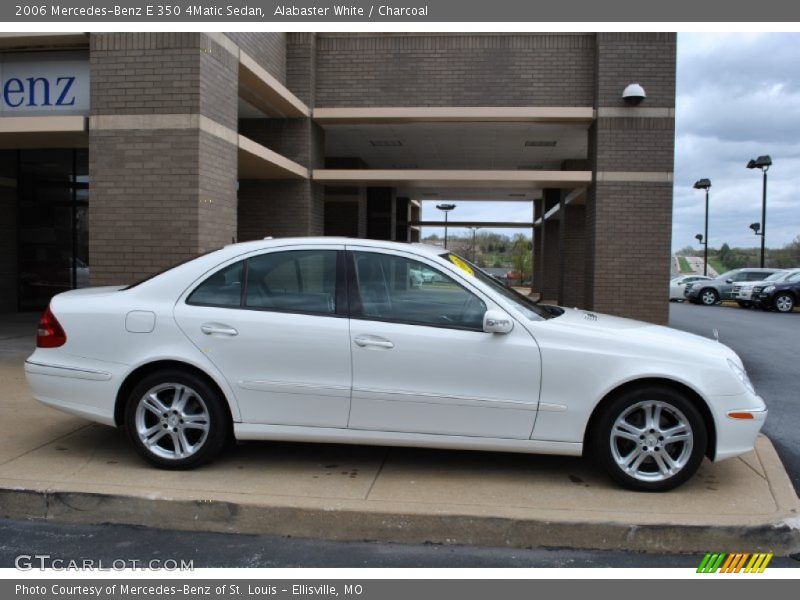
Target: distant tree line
(491,249)
(735,258)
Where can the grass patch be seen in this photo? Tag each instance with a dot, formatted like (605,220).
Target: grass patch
(717,265)
(684,265)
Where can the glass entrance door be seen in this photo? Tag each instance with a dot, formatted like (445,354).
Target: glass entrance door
(53,248)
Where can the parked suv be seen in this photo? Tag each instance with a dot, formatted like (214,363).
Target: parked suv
(719,289)
(782,295)
(743,291)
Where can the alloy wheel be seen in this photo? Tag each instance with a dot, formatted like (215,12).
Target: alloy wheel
(784,303)
(651,441)
(709,298)
(172,421)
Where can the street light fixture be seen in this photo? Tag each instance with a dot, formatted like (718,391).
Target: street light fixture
(763,163)
(704,184)
(445,208)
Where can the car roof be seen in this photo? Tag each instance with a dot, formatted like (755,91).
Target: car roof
(269,242)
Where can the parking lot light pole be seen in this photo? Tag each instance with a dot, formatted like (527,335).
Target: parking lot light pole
(445,208)
(763,163)
(704,184)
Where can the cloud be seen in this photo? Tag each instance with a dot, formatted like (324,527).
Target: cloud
(738,96)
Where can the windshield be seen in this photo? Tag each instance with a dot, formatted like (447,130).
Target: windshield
(779,276)
(729,274)
(529,308)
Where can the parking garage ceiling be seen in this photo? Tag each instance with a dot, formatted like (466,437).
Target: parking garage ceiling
(480,145)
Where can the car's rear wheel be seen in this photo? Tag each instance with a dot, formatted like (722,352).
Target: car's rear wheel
(784,303)
(176,420)
(650,439)
(709,297)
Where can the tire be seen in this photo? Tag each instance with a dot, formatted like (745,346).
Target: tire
(708,296)
(199,424)
(620,437)
(784,303)
(744,303)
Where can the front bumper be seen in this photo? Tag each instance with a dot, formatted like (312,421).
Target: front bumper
(736,436)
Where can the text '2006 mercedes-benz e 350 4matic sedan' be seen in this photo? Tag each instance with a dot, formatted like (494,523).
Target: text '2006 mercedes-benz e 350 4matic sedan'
(358,341)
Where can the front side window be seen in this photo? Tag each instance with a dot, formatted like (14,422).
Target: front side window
(294,280)
(399,289)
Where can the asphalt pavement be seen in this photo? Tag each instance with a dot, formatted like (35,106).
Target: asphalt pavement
(110,543)
(769,345)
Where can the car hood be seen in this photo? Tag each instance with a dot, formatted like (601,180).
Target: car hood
(628,336)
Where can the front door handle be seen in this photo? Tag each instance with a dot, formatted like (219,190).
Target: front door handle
(217,328)
(376,342)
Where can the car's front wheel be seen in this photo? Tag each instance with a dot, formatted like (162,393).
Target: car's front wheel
(650,439)
(709,297)
(784,303)
(176,420)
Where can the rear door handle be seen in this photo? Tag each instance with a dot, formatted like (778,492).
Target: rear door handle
(217,328)
(376,342)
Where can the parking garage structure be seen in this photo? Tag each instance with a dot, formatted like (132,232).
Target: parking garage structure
(169,145)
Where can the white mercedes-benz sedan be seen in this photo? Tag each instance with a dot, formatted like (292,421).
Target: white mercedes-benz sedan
(334,340)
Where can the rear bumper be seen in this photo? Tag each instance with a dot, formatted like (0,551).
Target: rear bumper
(84,391)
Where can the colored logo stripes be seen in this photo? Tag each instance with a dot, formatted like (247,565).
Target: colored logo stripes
(719,562)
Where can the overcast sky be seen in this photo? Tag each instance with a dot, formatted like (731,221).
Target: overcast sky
(738,97)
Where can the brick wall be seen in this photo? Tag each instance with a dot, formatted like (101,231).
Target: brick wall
(8,231)
(646,58)
(633,224)
(217,202)
(280,208)
(300,140)
(636,144)
(144,202)
(455,70)
(267,48)
(159,196)
(573,256)
(629,224)
(301,50)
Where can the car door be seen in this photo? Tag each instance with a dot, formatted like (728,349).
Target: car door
(421,360)
(275,324)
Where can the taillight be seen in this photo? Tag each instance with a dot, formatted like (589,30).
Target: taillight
(50,334)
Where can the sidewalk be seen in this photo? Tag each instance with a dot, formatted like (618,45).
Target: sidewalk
(60,468)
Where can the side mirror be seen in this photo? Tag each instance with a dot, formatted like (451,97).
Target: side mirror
(495,321)
(729,281)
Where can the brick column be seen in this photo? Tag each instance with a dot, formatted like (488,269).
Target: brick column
(573,255)
(162,151)
(548,247)
(629,210)
(283,207)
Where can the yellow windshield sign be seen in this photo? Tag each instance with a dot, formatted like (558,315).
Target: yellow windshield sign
(460,264)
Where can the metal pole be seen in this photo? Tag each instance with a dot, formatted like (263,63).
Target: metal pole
(705,251)
(474,230)
(445,230)
(763,217)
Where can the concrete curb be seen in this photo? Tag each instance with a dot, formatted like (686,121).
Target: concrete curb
(781,537)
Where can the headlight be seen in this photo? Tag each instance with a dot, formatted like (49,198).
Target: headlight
(742,375)
(769,289)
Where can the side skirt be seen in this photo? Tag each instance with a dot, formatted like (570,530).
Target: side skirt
(329,435)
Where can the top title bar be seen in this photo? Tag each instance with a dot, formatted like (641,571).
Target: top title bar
(412,11)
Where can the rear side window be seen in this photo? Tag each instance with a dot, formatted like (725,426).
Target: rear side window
(223,288)
(296,281)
